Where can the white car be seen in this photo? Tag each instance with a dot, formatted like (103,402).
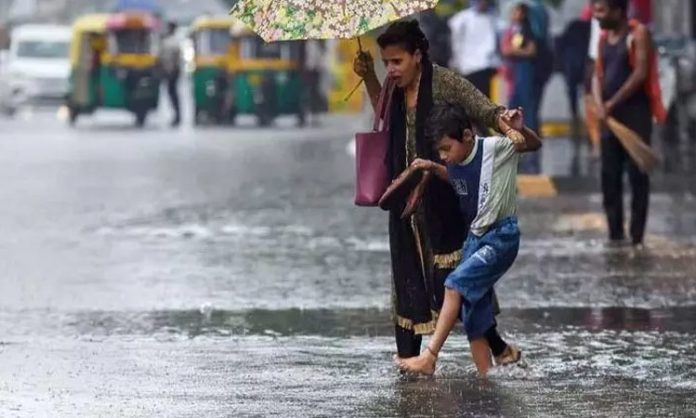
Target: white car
(37,67)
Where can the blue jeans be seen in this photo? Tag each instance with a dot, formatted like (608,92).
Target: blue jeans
(484,261)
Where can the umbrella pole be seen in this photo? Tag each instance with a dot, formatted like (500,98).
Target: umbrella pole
(362,80)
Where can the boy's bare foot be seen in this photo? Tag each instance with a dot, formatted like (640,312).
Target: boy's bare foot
(511,355)
(423,364)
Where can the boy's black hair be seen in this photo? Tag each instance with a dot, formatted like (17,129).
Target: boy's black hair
(615,4)
(407,34)
(448,120)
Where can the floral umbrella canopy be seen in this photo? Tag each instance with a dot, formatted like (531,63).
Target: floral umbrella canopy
(284,20)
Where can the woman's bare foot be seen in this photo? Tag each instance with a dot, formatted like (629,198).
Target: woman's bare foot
(423,364)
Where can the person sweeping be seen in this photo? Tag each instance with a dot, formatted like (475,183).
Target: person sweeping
(625,89)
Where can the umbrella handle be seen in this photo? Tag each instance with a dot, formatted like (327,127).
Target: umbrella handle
(361,51)
(354,89)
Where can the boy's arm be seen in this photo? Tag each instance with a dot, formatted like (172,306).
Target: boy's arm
(439,170)
(640,71)
(531,143)
(427,165)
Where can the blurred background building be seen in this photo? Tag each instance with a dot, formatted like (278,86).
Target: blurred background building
(675,17)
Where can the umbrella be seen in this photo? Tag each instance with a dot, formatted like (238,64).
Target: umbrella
(284,20)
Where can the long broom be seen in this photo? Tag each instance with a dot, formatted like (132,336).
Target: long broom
(639,151)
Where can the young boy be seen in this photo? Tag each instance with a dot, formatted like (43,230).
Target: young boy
(483,172)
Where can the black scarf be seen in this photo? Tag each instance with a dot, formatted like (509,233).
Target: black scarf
(443,228)
(446,229)
(397,151)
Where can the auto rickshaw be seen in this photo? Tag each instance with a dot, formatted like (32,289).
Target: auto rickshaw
(267,78)
(114,65)
(212,42)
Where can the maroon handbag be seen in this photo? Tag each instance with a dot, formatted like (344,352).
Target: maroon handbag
(371,170)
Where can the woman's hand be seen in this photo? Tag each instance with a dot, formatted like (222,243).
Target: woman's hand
(511,123)
(514,118)
(364,65)
(524,139)
(421,164)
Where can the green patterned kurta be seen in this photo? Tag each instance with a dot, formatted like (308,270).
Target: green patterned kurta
(450,87)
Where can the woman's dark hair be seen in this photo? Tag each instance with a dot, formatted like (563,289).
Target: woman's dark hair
(448,120)
(524,8)
(406,34)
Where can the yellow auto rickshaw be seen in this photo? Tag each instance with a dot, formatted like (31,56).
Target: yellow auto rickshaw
(114,65)
(267,79)
(212,43)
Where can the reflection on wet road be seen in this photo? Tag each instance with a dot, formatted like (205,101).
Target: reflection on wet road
(226,273)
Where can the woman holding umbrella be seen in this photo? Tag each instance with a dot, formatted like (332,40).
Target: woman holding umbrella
(426,246)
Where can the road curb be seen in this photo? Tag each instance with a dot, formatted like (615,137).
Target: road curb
(542,186)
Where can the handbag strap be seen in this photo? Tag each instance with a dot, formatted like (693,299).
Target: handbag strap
(384,107)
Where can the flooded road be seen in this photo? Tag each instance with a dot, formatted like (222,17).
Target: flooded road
(225,272)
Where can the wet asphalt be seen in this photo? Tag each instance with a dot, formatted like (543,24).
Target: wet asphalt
(225,272)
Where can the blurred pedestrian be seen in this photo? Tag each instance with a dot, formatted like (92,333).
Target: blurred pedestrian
(314,72)
(624,88)
(519,47)
(170,59)
(571,50)
(474,34)
(538,16)
(539,19)
(435,28)
(426,246)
